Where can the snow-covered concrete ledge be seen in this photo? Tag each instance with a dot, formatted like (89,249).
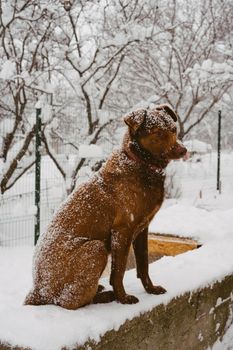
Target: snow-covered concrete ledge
(194,320)
(196,309)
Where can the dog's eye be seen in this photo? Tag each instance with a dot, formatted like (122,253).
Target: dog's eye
(159,133)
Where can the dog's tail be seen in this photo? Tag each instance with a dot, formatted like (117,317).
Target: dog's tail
(34,298)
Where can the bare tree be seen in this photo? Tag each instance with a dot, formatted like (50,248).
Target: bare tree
(93,44)
(94,60)
(24,28)
(184,67)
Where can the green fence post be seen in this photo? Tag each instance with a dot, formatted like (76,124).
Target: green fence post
(219,152)
(37,173)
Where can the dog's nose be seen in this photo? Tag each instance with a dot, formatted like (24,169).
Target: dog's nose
(178,151)
(183,151)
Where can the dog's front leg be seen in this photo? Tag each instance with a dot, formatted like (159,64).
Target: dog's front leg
(140,246)
(120,244)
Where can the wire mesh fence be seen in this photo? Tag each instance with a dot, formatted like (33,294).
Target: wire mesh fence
(17,205)
(17,208)
(17,231)
(18,218)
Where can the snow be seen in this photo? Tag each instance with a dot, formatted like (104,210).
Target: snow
(189,221)
(155,120)
(8,70)
(90,151)
(185,272)
(226,343)
(6,126)
(208,219)
(38,104)
(7,13)
(197,146)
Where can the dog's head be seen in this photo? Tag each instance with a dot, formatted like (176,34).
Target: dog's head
(155,132)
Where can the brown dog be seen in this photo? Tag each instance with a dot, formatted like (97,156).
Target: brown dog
(106,215)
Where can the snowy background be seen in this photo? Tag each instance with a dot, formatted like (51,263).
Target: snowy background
(89,63)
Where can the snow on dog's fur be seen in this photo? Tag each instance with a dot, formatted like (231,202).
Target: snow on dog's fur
(105,215)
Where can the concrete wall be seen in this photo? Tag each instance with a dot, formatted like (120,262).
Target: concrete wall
(193,321)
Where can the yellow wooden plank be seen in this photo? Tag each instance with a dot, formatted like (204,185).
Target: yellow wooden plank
(169,245)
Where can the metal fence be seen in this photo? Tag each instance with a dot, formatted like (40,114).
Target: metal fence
(17,231)
(18,218)
(17,205)
(17,208)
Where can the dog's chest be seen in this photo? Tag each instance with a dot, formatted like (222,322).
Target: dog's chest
(144,204)
(144,221)
(149,201)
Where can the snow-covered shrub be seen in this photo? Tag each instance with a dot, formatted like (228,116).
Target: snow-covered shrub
(173,188)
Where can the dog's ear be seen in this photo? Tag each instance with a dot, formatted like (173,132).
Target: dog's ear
(168,110)
(135,119)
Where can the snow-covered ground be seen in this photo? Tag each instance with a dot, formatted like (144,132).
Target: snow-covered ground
(227,342)
(208,219)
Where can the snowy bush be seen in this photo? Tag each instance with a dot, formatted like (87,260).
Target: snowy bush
(173,187)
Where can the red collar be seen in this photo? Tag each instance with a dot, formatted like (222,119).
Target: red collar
(135,157)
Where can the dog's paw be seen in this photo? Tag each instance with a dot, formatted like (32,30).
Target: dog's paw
(104,297)
(128,299)
(156,290)
(100,288)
